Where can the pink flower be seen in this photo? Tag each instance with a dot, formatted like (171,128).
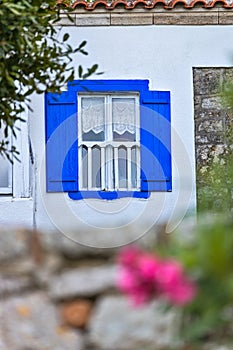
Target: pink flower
(144,276)
(183,293)
(128,255)
(137,273)
(173,283)
(148,266)
(126,281)
(130,284)
(169,273)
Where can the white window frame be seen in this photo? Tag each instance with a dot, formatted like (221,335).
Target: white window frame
(107,161)
(7,189)
(19,172)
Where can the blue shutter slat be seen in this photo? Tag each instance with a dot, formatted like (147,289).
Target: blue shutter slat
(156,100)
(61,142)
(155,141)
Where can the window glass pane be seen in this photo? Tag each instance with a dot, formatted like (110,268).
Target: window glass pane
(93,118)
(84,167)
(134,167)
(124,119)
(4,172)
(122,165)
(109,167)
(5,169)
(96,165)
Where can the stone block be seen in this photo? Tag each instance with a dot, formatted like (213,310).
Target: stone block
(66,21)
(89,19)
(71,248)
(226,17)
(214,103)
(203,153)
(209,114)
(32,322)
(98,242)
(117,325)
(128,19)
(14,284)
(82,282)
(13,243)
(209,125)
(186,18)
(211,137)
(50,265)
(76,313)
(18,267)
(206,81)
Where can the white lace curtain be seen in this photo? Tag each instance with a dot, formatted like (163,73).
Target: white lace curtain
(123,115)
(93,115)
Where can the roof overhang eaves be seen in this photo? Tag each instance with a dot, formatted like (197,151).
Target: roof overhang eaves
(146,4)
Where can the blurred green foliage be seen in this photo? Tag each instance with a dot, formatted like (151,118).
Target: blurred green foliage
(208,259)
(207,252)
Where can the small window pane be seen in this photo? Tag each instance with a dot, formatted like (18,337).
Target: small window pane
(84,167)
(93,118)
(5,172)
(122,164)
(96,165)
(134,167)
(124,119)
(109,166)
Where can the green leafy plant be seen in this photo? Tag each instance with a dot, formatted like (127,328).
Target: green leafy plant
(193,274)
(32,58)
(207,257)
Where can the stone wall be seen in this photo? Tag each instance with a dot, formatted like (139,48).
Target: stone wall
(58,295)
(213,121)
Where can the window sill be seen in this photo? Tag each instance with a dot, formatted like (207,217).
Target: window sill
(107,195)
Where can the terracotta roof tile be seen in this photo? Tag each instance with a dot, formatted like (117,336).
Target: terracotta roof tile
(148,4)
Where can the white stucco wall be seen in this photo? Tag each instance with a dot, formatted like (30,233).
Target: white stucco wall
(165,55)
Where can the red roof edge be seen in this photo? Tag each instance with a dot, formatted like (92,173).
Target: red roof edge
(130,5)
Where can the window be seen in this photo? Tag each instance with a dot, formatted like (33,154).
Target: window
(108,139)
(5,172)
(109,147)
(15,178)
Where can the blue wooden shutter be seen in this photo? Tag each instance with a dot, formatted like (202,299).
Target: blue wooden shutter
(155,141)
(61,142)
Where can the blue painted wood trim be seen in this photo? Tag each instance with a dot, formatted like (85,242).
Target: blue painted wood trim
(108,195)
(155,134)
(108,85)
(157,102)
(61,142)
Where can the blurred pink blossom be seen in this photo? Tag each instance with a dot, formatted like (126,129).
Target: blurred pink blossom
(143,276)
(174,284)
(137,271)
